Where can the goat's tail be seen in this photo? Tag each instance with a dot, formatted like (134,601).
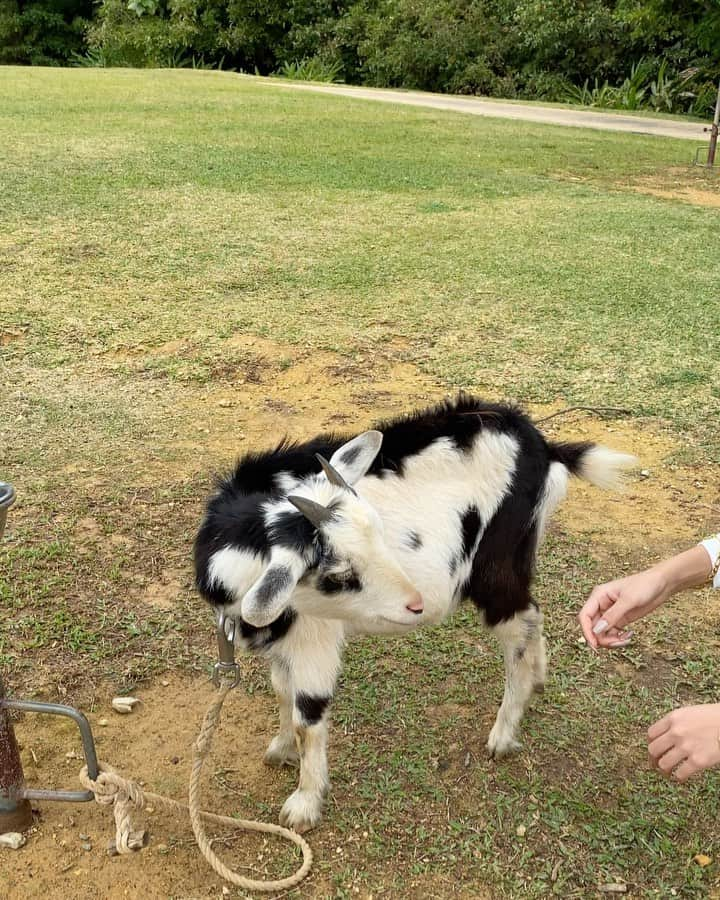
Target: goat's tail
(601,466)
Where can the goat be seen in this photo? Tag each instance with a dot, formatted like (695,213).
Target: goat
(400,525)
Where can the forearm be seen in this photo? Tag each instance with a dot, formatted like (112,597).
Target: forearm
(691,568)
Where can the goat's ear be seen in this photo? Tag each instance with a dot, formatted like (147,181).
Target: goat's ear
(353,459)
(271,593)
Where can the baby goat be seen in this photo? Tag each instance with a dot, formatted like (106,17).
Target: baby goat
(393,532)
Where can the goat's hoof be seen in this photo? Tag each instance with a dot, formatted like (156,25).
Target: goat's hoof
(539,687)
(301,811)
(500,745)
(279,754)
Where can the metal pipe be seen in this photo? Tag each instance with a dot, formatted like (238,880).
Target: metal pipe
(57,709)
(15,811)
(714,133)
(7,498)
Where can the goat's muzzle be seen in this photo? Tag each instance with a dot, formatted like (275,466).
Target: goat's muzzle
(416,604)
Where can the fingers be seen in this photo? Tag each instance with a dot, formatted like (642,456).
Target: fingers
(597,629)
(613,617)
(686,770)
(591,615)
(660,746)
(659,728)
(619,640)
(668,761)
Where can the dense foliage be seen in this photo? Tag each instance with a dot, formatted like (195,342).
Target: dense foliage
(623,53)
(43,32)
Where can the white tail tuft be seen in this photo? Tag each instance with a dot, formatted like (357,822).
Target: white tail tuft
(605,468)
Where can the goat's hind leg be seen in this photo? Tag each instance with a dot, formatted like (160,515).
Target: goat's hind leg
(523,647)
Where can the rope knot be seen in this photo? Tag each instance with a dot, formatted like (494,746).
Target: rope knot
(111,789)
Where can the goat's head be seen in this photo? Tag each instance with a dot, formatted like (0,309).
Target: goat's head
(329,553)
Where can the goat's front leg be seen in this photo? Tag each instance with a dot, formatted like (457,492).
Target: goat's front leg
(313,688)
(283,750)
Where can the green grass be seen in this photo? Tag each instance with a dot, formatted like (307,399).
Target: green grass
(149,220)
(201,198)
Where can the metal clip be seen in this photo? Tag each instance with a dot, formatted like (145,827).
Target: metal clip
(226,667)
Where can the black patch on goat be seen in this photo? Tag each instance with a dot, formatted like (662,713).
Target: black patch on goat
(412,540)
(311,708)
(275,580)
(458,420)
(349,456)
(232,519)
(570,455)
(471,524)
(255,472)
(292,530)
(503,566)
(261,638)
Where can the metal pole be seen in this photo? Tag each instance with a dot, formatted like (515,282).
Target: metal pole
(15,811)
(714,133)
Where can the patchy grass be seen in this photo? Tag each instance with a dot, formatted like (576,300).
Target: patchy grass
(194,263)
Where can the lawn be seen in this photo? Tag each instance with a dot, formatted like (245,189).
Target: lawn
(193,264)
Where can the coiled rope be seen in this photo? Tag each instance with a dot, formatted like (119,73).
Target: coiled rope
(125,796)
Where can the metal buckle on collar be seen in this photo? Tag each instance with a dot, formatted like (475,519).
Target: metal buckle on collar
(226,667)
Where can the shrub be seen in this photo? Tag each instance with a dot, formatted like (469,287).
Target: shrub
(313,69)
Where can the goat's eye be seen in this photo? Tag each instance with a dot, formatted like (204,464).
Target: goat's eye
(341,577)
(344,580)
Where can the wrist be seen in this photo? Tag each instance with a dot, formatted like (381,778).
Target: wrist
(711,546)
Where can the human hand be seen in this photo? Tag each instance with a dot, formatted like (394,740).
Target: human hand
(612,606)
(686,741)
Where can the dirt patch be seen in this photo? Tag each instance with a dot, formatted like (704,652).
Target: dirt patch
(295,393)
(687,185)
(12,335)
(154,744)
(164,592)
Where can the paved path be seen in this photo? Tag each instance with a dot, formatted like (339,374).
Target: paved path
(549,115)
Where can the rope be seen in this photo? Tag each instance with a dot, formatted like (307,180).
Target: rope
(125,796)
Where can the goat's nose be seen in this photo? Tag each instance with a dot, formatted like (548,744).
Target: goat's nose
(416,604)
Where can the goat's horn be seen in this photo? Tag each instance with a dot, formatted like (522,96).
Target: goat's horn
(314,512)
(333,476)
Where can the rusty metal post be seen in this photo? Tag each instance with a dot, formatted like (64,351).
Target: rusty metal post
(714,133)
(15,811)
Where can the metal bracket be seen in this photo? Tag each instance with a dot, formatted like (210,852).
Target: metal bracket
(226,667)
(56,709)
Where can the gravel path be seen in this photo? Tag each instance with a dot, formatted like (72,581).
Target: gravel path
(574,118)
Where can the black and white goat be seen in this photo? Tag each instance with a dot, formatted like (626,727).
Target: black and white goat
(400,525)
